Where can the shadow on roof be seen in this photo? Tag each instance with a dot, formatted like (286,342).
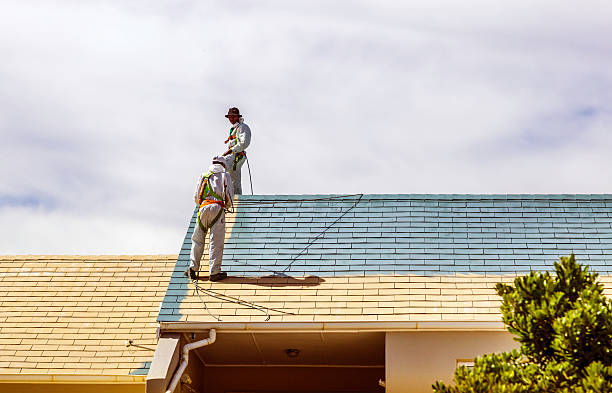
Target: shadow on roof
(273,281)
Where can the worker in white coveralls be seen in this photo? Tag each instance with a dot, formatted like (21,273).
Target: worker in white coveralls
(238,140)
(214,194)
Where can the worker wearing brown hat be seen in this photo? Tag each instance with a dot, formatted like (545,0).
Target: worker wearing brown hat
(238,140)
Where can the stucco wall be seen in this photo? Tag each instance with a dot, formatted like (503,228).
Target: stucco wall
(415,360)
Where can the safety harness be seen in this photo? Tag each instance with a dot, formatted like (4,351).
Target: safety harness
(205,192)
(237,156)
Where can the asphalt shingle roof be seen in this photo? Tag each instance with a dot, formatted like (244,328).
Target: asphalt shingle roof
(64,314)
(349,244)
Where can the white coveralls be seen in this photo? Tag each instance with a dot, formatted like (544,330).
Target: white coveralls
(221,184)
(239,140)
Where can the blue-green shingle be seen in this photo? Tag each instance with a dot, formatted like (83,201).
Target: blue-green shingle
(332,235)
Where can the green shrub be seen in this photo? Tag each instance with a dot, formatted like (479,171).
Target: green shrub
(564,325)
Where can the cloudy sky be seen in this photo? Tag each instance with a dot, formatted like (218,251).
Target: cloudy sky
(109,110)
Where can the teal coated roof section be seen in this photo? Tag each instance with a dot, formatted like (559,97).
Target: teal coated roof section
(442,234)
(416,234)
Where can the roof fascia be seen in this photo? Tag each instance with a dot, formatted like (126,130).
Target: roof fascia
(305,327)
(72,378)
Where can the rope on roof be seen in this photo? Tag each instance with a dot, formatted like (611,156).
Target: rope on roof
(231,299)
(310,243)
(263,309)
(280,201)
(313,240)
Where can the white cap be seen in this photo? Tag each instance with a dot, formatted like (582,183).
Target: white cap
(219,160)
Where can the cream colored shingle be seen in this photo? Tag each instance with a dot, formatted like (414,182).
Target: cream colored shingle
(72,314)
(388,298)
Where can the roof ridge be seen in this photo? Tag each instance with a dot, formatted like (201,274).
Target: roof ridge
(426,196)
(99,257)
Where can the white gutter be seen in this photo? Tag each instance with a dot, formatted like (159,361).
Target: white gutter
(212,336)
(337,326)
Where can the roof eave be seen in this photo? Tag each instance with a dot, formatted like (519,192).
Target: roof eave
(338,326)
(72,378)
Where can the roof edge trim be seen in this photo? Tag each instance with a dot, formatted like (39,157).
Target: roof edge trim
(434,196)
(72,378)
(344,326)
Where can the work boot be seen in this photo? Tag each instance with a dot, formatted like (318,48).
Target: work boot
(191,274)
(217,277)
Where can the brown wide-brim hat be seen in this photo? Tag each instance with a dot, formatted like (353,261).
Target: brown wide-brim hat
(233,112)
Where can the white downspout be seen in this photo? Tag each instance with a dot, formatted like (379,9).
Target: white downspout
(212,335)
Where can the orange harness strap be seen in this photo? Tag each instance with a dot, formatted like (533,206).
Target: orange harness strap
(210,202)
(231,137)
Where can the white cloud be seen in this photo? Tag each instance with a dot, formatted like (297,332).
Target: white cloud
(43,231)
(108,110)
